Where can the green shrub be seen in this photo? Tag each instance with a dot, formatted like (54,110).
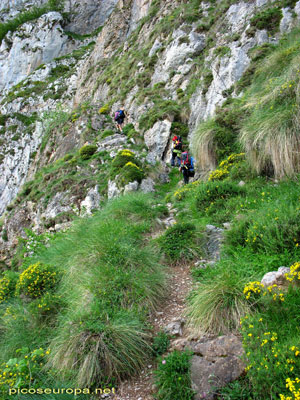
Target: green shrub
(273,225)
(161,343)
(22,371)
(106,133)
(7,285)
(103,334)
(179,129)
(4,234)
(217,138)
(36,280)
(162,109)
(178,242)
(267,19)
(98,351)
(222,51)
(130,173)
(212,195)
(173,378)
(87,151)
(208,77)
(130,131)
(105,109)
(122,158)
(238,390)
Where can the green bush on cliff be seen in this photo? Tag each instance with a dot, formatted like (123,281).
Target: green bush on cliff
(130,173)
(87,151)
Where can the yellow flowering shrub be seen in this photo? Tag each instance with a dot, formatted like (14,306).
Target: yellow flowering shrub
(293,385)
(104,109)
(7,285)
(130,173)
(181,193)
(4,289)
(294,274)
(122,158)
(270,340)
(224,167)
(127,166)
(24,370)
(36,280)
(267,356)
(254,290)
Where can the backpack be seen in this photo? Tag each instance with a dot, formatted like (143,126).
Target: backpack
(119,114)
(185,160)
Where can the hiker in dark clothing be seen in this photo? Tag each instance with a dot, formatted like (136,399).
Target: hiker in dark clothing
(176,150)
(120,116)
(186,166)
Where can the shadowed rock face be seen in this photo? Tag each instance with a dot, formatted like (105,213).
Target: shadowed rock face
(88,15)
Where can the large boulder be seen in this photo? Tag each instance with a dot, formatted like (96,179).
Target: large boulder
(216,363)
(147,185)
(276,277)
(157,139)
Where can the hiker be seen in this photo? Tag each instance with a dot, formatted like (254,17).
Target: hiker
(186,166)
(176,150)
(120,116)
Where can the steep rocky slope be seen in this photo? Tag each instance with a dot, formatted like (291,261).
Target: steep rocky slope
(169,63)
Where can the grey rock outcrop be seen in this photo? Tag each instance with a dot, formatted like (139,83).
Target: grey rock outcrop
(147,185)
(214,241)
(175,328)
(112,190)
(16,163)
(177,53)
(139,10)
(216,363)
(131,187)
(91,201)
(10,8)
(59,204)
(33,44)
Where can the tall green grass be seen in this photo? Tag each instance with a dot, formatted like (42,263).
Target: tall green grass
(217,305)
(95,320)
(111,280)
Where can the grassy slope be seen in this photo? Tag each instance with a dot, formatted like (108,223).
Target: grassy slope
(95,318)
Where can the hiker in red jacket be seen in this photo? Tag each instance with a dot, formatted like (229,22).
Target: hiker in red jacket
(176,150)
(186,166)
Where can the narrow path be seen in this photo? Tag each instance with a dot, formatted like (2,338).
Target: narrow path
(180,283)
(172,311)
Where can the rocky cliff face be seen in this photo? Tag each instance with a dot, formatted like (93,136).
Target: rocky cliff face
(170,63)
